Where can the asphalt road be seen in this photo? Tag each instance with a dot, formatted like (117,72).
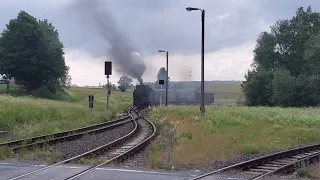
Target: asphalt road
(9,170)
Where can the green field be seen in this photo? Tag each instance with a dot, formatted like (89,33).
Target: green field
(185,139)
(28,116)
(12,88)
(226,132)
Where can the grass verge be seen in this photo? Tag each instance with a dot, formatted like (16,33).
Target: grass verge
(226,132)
(28,116)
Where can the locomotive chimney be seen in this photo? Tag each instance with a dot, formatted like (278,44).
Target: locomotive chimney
(140,81)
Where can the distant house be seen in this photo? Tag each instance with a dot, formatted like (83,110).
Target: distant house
(3,81)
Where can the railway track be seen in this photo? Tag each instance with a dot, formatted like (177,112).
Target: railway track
(262,167)
(40,141)
(114,151)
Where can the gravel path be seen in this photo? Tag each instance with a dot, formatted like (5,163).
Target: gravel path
(70,149)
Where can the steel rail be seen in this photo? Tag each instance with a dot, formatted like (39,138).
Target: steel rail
(134,148)
(60,134)
(267,165)
(71,136)
(91,152)
(288,166)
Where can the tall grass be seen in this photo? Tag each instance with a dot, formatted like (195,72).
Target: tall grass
(29,116)
(226,132)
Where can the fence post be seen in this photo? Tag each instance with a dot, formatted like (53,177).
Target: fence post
(8,84)
(91,100)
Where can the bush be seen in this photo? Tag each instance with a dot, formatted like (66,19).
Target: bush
(60,94)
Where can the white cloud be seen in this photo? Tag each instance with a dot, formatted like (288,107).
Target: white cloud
(226,64)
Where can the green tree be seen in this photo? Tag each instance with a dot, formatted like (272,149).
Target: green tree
(31,52)
(283,87)
(162,74)
(55,71)
(113,87)
(312,56)
(286,61)
(68,81)
(257,88)
(124,83)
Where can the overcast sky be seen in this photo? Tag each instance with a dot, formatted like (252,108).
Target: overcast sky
(231,29)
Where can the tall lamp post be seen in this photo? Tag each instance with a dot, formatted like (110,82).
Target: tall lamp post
(202,108)
(167,76)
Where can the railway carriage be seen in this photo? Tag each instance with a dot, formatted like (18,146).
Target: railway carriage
(144,96)
(174,97)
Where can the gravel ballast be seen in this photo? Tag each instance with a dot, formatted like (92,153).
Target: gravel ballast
(68,149)
(221,164)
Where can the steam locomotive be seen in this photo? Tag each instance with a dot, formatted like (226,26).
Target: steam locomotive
(144,96)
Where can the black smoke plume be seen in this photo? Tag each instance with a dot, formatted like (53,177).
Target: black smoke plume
(95,14)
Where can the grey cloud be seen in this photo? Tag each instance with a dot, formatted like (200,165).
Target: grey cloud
(165,24)
(120,50)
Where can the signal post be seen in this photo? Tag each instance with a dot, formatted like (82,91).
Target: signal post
(108,72)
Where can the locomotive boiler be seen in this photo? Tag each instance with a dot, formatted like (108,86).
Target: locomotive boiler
(142,96)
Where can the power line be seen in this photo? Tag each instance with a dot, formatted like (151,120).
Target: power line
(190,74)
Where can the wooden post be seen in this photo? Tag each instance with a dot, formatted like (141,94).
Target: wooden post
(8,84)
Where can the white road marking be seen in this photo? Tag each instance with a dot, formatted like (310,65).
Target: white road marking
(131,170)
(32,165)
(114,169)
(103,169)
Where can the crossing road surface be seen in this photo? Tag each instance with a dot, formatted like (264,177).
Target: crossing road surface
(9,170)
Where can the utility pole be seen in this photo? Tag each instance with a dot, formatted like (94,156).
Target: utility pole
(167,78)
(202,108)
(190,74)
(167,74)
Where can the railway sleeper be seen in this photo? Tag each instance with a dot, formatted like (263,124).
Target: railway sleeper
(267,167)
(34,140)
(290,168)
(272,165)
(101,151)
(131,152)
(254,173)
(59,139)
(307,161)
(278,163)
(248,166)
(260,170)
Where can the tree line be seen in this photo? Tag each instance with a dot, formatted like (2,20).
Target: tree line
(286,65)
(32,54)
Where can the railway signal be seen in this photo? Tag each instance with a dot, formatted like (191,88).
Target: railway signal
(108,72)
(161,82)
